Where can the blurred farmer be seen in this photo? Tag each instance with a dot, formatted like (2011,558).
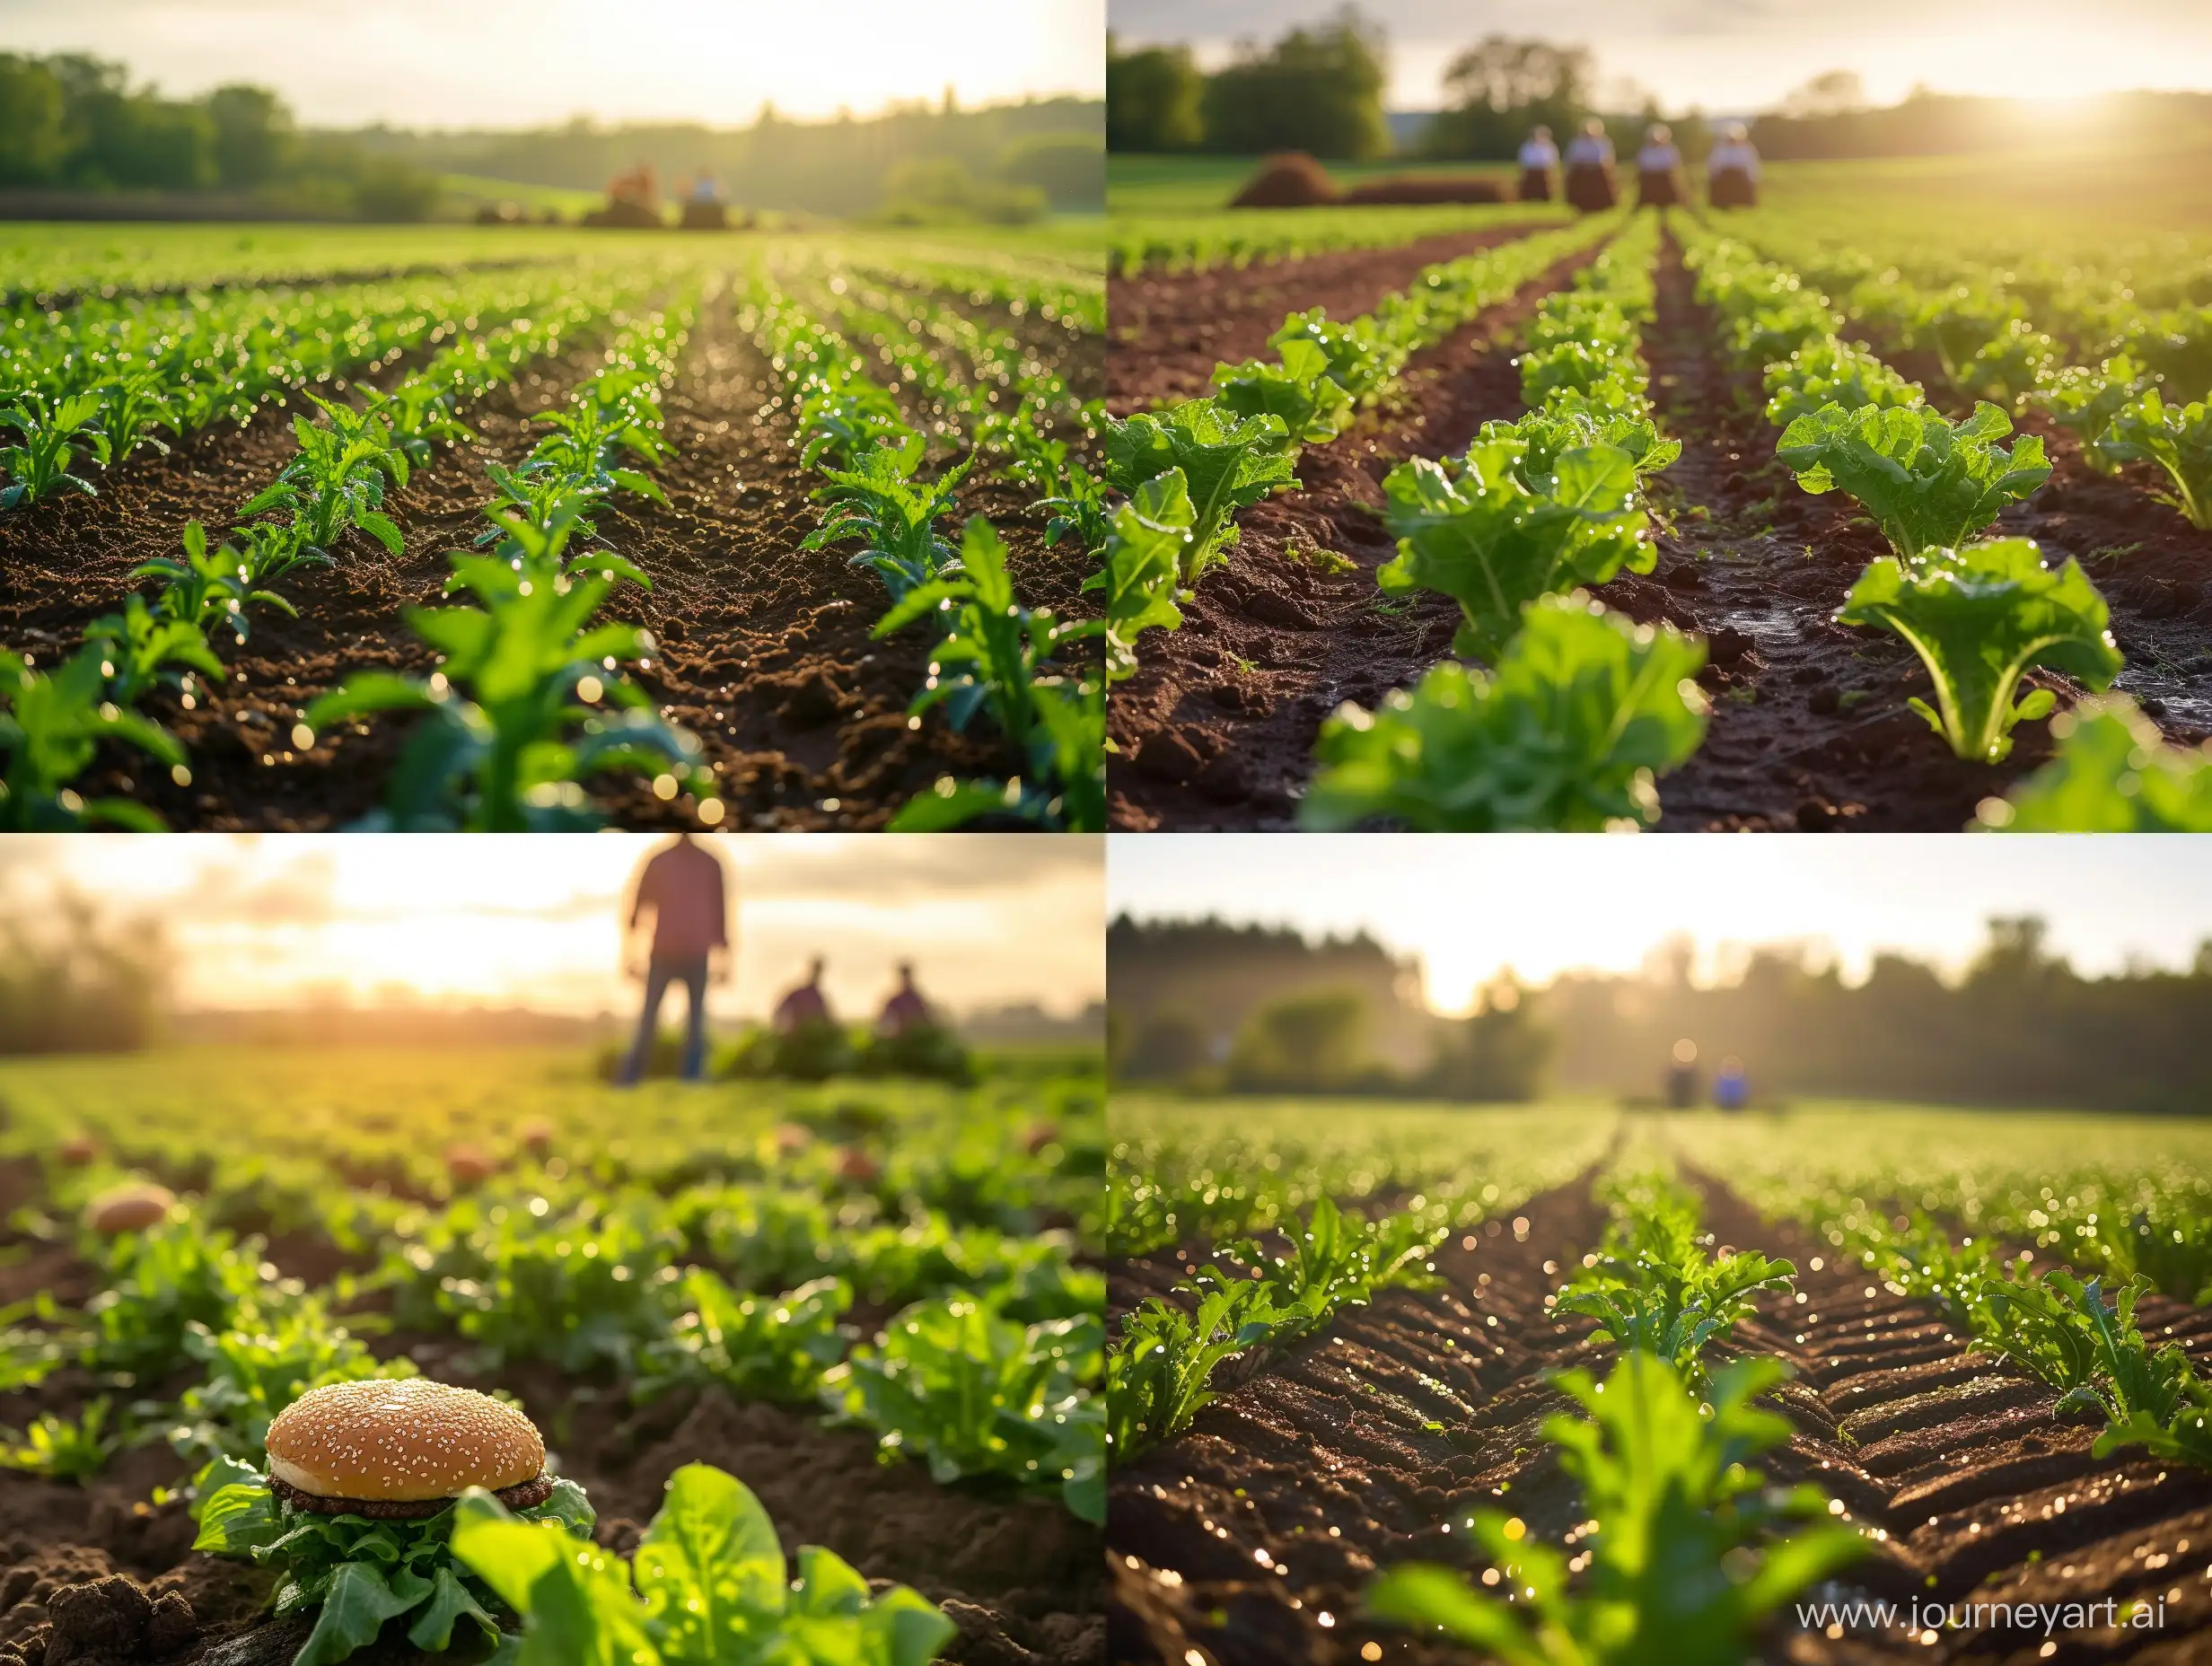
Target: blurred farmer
(1682,1077)
(683,884)
(1659,169)
(1731,1089)
(1590,168)
(804,1006)
(1732,171)
(906,1011)
(1539,159)
(703,189)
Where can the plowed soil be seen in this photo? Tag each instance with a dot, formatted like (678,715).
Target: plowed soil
(1809,728)
(98,1574)
(1247,1540)
(1217,729)
(766,653)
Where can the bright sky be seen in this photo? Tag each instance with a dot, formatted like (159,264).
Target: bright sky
(512,63)
(535,920)
(1737,55)
(1543,904)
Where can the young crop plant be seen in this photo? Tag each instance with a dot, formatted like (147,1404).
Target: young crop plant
(51,432)
(1142,567)
(1979,617)
(1156,1375)
(63,1449)
(513,723)
(51,726)
(1928,483)
(2084,401)
(257,1366)
(1654,1289)
(2178,438)
(1693,1549)
(994,654)
(1363,355)
(708,1585)
(969,1391)
(208,590)
(1549,434)
(1336,1259)
(1477,531)
(139,644)
(757,1347)
(840,423)
(418,415)
(588,1292)
(1583,714)
(2112,774)
(337,479)
(1227,463)
(1298,392)
(1830,371)
(880,501)
(133,406)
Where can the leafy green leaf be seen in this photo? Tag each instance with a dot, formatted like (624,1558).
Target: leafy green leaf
(1584,712)
(1979,617)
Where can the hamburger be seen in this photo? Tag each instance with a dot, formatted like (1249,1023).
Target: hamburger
(359,1471)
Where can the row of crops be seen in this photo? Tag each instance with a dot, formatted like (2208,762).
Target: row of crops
(895,1260)
(896,388)
(1980,611)
(1577,713)
(1721,1429)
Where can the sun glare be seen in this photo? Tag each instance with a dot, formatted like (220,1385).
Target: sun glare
(536,920)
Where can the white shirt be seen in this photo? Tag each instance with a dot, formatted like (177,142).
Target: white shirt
(1540,153)
(1590,149)
(1658,159)
(1739,158)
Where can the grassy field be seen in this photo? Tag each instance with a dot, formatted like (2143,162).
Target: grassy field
(120,255)
(2067,187)
(305,1120)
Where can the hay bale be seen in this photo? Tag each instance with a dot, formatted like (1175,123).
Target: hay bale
(1428,189)
(1294,181)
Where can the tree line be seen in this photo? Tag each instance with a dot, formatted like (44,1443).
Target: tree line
(2020,1026)
(1320,89)
(72,122)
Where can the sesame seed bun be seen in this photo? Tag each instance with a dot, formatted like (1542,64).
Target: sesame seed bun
(129,1209)
(404,1439)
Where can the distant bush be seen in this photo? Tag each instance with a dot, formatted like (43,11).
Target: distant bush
(938,191)
(1068,168)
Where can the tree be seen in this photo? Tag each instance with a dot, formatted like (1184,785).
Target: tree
(1308,1044)
(253,135)
(1833,93)
(34,135)
(1501,1052)
(1153,99)
(1317,90)
(1500,89)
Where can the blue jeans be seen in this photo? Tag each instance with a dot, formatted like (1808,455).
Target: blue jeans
(692,972)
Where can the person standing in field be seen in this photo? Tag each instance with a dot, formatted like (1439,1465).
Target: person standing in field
(1539,159)
(1732,171)
(906,1009)
(1590,185)
(1659,169)
(682,883)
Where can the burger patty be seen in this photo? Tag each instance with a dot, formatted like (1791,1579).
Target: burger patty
(523,1496)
